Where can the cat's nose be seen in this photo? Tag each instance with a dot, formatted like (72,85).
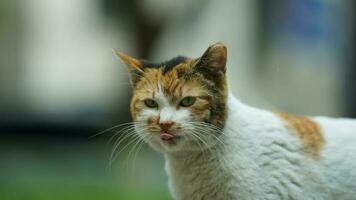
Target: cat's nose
(166,125)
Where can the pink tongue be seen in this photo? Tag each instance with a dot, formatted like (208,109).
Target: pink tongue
(166,136)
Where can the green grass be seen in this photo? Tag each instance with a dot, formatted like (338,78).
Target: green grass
(77,170)
(53,191)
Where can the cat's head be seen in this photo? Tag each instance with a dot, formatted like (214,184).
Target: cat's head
(179,104)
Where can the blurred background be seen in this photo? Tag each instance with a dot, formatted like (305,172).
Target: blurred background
(60,83)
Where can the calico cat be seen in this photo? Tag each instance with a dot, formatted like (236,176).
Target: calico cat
(218,148)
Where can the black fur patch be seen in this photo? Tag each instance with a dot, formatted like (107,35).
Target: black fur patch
(166,65)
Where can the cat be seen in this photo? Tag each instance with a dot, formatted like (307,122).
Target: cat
(217,148)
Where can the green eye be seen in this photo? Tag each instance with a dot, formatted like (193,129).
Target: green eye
(187,101)
(151,103)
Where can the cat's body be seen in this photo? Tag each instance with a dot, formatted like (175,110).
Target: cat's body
(217,148)
(263,159)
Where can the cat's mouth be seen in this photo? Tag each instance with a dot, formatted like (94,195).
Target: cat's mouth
(168,136)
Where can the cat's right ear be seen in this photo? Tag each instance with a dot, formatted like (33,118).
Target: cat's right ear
(134,66)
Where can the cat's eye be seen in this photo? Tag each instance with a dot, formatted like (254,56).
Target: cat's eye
(187,101)
(151,103)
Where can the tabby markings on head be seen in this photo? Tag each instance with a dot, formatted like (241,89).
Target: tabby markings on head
(203,78)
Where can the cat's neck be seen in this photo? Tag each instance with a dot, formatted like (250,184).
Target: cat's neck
(187,168)
(238,118)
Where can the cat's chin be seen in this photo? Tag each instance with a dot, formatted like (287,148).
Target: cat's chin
(174,145)
(179,144)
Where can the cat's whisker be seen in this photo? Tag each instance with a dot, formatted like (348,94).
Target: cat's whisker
(208,125)
(211,133)
(208,128)
(135,146)
(142,143)
(117,146)
(136,139)
(201,139)
(139,139)
(122,132)
(197,141)
(112,128)
(114,155)
(131,132)
(122,135)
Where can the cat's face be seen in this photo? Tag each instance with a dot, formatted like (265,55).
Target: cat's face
(180,104)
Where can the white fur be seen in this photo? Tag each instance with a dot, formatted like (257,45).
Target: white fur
(166,111)
(261,159)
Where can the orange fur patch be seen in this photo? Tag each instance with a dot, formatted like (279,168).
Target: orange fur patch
(307,130)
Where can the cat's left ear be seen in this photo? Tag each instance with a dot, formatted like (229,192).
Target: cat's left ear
(134,66)
(213,62)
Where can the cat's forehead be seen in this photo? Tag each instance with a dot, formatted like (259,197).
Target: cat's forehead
(174,83)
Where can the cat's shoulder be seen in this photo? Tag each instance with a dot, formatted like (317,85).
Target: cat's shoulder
(318,133)
(343,129)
